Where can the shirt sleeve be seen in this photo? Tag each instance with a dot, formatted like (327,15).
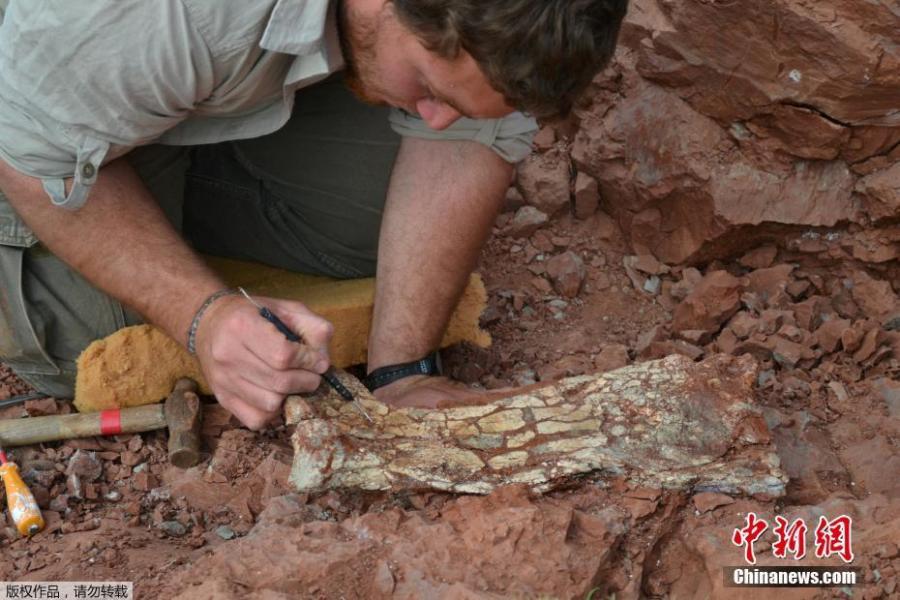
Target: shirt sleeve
(510,137)
(82,83)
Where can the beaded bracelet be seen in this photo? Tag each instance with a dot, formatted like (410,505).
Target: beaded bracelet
(192,332)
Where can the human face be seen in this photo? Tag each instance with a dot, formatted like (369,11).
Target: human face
(388,65)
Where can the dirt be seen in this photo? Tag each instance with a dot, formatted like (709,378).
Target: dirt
(231,527)
(698,204)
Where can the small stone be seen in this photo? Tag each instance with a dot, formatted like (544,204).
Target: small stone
(612,357)
(526,221)
(868,346)
(60,503)
(743,325)
(130,458)
(545,138)
(143,481)
(712,302)
(851,339)
(770,284)
(514,200)
(567,273)
(587,196)
(759,258)
(41,407)
(765,377)
(828,335)
(707,501)
(85,465)
(173,528)
(225,532)
(651,286)
(113,496)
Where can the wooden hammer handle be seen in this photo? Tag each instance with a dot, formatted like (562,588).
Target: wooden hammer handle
(33,430)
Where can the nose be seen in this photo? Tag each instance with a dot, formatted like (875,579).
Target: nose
(438,115)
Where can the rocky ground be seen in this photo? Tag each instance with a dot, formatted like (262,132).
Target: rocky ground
(733,194)
(565,299)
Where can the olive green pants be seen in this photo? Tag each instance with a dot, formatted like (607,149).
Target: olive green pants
(308,198)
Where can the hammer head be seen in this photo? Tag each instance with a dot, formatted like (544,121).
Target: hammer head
(183,414)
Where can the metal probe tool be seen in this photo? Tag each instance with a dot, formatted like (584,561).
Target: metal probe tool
(328,375)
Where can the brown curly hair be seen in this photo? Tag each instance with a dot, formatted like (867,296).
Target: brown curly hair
(540,54)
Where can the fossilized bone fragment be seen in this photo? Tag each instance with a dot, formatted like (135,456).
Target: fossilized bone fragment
(672,423)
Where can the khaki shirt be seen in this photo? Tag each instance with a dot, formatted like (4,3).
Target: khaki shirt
(83,82)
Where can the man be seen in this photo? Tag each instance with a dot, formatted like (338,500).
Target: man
(123,123)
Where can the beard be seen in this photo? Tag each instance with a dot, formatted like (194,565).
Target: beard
(358,36)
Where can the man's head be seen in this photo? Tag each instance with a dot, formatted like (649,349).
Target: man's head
(444,59)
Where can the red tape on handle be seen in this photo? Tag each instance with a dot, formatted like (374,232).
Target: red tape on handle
(111,422)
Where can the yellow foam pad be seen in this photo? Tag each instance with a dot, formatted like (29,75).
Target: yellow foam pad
(139,365)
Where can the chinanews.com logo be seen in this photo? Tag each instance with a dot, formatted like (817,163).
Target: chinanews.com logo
(831,537)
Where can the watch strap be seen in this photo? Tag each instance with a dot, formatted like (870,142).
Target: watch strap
(382,376)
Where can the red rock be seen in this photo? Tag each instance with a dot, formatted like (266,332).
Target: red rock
(41,407)
(541,285)
(871,462)
(828,335)
(707,501)
(743,325)
(881,192)
(587,196)
(661,349)
(809,313)
(144,481)
(513,201)
(85,466)
(788,353)
(695,336)
(868,346)
(544,139)
(889,391)
(798,288)
(851,338)
(712,302)
(567,272)
(808,459)
(130,458)
(526,221)
(612,357)
(770,321)
(770,284)
(544,180)
(759,258)
(647,263)
(690,277)
(639,507)
(876,298)
(727,342)
(542,241)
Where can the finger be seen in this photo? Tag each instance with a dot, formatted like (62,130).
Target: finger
(252,417)
(291,381)
(315,331)
(260,398)
(278,354)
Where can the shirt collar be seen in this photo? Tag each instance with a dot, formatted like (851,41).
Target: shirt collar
(297,27)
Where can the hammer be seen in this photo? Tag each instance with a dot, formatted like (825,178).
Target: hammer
(180,413)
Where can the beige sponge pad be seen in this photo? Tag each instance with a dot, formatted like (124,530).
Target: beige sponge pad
(139,365)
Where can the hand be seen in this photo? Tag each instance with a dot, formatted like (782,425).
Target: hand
(424,391)
(250,365)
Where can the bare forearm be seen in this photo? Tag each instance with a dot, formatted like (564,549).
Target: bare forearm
(442,202)
(121,242)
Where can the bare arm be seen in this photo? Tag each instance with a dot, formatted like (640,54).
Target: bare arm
(122,243)
(442,202)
